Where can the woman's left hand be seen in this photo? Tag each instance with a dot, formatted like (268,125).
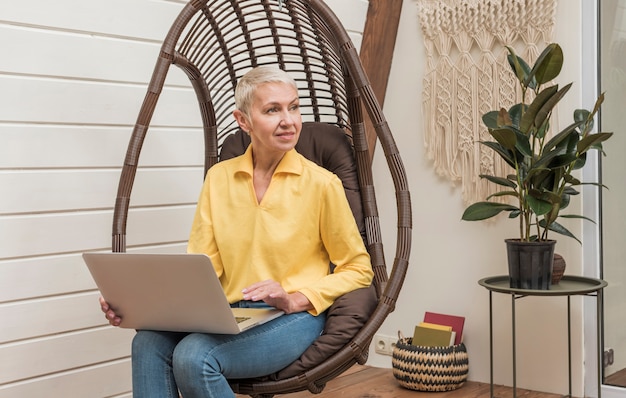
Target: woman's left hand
(272,293)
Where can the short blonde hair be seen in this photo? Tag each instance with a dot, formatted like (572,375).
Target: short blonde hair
(247,85)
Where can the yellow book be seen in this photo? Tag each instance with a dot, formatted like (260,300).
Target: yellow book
(431,337)
(436,326)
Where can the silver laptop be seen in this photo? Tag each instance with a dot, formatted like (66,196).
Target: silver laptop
(173,292)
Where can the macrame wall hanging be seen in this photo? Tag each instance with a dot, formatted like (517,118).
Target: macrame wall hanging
(467,74)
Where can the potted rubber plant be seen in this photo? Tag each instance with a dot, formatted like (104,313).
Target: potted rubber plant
(543,163)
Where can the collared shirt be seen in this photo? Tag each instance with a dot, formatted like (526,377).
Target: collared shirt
(302,223)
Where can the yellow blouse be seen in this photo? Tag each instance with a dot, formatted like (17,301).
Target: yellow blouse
(303,223)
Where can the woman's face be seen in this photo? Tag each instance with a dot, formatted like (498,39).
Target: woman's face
(275,121)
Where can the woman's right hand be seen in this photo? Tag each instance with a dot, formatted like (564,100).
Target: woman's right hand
(109,314)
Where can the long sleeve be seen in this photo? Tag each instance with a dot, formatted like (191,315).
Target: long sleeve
(302,224)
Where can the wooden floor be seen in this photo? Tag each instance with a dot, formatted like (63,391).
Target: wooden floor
(617,379)
(369,382)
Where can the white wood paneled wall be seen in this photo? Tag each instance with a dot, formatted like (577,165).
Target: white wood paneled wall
(73,74)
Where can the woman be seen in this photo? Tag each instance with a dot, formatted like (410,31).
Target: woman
(271,221)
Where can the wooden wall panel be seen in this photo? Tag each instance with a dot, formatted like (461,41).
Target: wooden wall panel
(127,19)
(51,315)
(71,89)
(38,191)
(47,276)
(43,356)
(101,58)
(102,380)
(54,100)
(352,15)
(46,234)
(149,226)
(43,276)
(27,146)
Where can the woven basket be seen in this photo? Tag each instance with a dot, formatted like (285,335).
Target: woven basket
(429,368)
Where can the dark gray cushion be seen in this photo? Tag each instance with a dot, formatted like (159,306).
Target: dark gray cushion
(343,321)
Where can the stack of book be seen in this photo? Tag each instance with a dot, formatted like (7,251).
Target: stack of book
(439,330)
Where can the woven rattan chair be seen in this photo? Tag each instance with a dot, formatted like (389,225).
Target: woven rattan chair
(215,42)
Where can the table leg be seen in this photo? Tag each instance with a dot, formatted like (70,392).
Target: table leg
(569,346)
(599,322)
(490,345)
(514,346)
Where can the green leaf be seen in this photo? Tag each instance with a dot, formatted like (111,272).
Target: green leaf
(548,64)
(551,197)
(546,109)
(516,112)
(523,144)
(563,136)
(580,161)
(503,193)
(499,180)
(596,106)
(576,216)
(592,141)
(545,160)
(529,116)
(506,155)
(596,184)
(538,206)
(565,200)
(545,196)
(588,121)
(570,179)
(490,119)
(562,160)
(505,137)
(559,229)
(521,69)
(540,178)
(484,210)
(581,115)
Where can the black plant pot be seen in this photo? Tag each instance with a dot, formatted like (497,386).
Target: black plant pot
(530,263)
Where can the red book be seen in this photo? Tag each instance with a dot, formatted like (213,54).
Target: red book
(455,321)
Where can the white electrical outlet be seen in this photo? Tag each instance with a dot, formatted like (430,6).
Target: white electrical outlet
(384,344)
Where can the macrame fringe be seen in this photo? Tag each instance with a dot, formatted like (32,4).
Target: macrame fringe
(467,75)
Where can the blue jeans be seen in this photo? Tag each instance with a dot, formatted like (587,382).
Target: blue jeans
(199,364)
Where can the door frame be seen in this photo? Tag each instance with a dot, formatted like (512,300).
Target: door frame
(592,233)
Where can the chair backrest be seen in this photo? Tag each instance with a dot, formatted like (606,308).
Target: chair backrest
(215,42)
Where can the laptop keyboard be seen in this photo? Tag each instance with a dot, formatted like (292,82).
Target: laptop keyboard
(240,319)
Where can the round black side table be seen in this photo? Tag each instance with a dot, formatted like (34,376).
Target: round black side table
(568,286)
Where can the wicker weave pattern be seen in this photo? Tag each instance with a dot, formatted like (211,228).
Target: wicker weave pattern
(227,38)
(429,368)
(215,42)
